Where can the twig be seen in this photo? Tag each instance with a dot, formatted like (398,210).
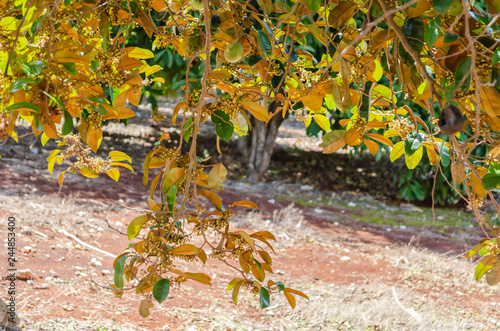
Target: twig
(69,235)
(410,311)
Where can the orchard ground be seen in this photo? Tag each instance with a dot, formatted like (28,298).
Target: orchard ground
(366,263)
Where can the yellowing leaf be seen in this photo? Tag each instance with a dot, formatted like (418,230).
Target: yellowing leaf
(173,177)
(290,298)
(256,110)
(322,121)
(61,178)
(413,160)
(352,137)
(247,238)
(484,265)
(493,276)
(114,174)
(380,138)
(491,100)
(139,53)
(199,277)
(397,150)
(258,273)
(245,203)
(214,198)
(372,146)
(185,249)
(119,156)
(119,164)
(136,225)
(216,176)
(236,291)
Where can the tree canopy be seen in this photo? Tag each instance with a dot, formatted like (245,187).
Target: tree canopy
(388,67)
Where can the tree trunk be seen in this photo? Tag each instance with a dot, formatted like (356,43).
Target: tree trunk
(262,144)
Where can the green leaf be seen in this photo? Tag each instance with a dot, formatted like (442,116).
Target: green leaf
(413,29)
(264,42)
(171,195)
(254,59)
(492,179)
(280,285)
(441,6)
(223,127)
(432,31)
(234,53)
(265,301)
(463,74)
(68,123)
(161,289)
(70,67)
(35,68)
(21,105)
(94,65)
(314,5)
(445,154)
(187,129)
(413,142)
(450,38)
(119,271)
(496,55)
(484,265)
(20,84)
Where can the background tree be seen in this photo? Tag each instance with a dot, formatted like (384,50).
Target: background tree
(388,66)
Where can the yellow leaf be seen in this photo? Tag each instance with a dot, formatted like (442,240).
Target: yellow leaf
(413,160)
(296,292)
(44,139)
(114,174)
(61,178)
(264,234)
(245,203)
(119,164)
(159,79)
(256,110)
(153,205)
(258,273)
(119,156)
(397,150)
(173,177)
(381,139)
(290,298)
(431,153)
(216,176)
(94,138)
(313,101)
(322,121)
(236,290)
(144,307)
(335,145)
(247,238)
(139,53)
(199,277)
(185,249)
(214,198)
(491,100)
(352,137)
(372,146)
(157,162)
(136,225)
(266,257)
(158,5)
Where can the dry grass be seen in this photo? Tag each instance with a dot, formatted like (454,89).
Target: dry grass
(428,297)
